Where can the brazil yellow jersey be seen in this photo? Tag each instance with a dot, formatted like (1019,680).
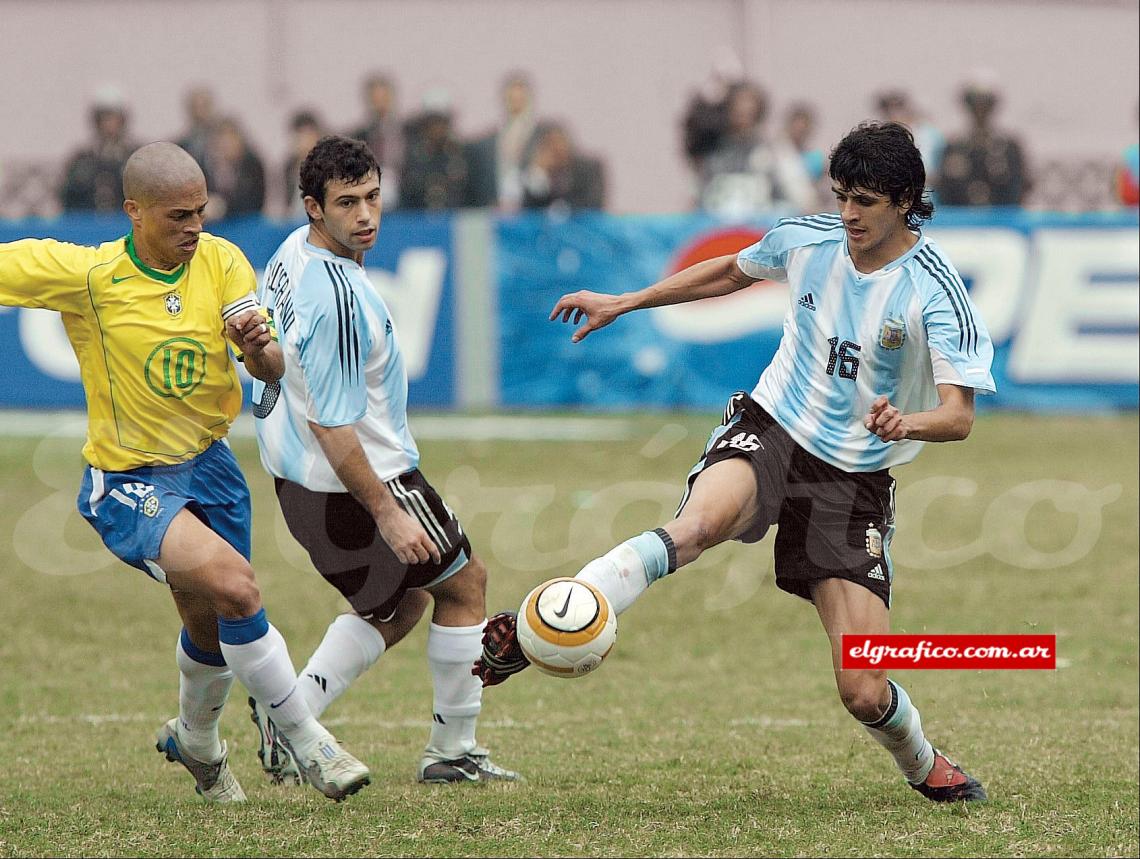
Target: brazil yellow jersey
(152,349)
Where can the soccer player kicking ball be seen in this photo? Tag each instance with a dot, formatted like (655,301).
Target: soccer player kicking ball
(148,316)
(882,350)
(334,433)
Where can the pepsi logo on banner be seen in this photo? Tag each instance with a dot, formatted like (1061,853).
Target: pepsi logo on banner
(715,320)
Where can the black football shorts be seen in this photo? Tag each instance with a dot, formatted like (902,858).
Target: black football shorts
(345,545)
(830,523)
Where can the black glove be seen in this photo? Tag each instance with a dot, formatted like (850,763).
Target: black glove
(502,655)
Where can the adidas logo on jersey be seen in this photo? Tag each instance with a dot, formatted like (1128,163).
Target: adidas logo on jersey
(877,573)
(806,301)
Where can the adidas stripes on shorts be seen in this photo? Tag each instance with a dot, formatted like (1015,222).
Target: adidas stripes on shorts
(347,549)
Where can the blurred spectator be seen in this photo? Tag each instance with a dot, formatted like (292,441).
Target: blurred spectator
(382,131)
(235,174)
(895,106)
(305,129)
(201,120)
(1128,173)
(747,174)
(558,175)
(799,126)
(706,116)
(497,160)
(986,167)
(435,165)
(93,179)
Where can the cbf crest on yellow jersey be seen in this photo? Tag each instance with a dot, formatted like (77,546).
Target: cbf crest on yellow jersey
(152,349)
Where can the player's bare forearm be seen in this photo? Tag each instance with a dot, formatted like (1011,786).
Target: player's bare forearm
(708,279)
(401,532)
(268,365)
(719,276)
(951,420)
(942,423)
(342,448)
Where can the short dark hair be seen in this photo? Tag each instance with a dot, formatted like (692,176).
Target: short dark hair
(881,157)
(335,157)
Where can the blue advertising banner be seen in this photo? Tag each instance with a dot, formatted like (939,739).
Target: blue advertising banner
(410,267)
(1060,295)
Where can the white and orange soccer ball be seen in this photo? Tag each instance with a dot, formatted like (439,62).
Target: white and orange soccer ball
(566,627)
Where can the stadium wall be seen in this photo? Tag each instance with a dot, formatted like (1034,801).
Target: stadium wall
(620,72)
(471,294)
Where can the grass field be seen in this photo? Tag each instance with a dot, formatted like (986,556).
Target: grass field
(714,729)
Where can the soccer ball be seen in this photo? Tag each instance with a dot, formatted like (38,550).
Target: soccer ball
(566,627)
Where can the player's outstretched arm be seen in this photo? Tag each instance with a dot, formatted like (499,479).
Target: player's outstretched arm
(406,537)
(708,279)
(951,420)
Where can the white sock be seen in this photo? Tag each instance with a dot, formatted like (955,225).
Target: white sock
(899,731)
(625,572)
(203,685)
(259,658)
(451,651)
(350,647)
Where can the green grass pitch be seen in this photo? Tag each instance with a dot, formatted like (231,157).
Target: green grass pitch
(713,729)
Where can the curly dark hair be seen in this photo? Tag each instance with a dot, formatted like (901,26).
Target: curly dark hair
(335,157)
(881,157)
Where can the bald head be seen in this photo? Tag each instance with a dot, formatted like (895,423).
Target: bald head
(159,171)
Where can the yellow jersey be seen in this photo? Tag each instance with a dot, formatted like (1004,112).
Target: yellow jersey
(153,354)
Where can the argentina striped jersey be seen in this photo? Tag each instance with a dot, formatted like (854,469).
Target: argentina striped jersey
(342,366)
(850,337)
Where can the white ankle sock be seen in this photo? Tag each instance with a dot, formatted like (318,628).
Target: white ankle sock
(899,731)
(451,651)
(350,647)
(203,686)
(626,571)
(259,658)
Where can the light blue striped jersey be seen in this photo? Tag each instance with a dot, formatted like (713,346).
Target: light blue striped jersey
(342,366)
(849,337)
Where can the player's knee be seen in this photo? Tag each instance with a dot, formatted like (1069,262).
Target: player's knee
(692,534)
(475,574)
(862,693)
(467,588)
(408,613)
(413,605)
(236,593)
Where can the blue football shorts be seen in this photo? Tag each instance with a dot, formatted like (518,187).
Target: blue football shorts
(131,510)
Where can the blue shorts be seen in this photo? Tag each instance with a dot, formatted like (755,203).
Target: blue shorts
(131,510)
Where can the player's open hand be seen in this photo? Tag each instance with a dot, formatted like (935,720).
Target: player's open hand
(598,311)
(885,421)
(407,538)
(249,332)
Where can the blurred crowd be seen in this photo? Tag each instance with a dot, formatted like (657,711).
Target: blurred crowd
(743,160)
(743,163)
(525,161)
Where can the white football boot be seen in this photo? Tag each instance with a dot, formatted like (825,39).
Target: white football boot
(213,781)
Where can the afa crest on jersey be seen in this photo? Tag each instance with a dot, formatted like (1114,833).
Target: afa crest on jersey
(893,334)
(173,303)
